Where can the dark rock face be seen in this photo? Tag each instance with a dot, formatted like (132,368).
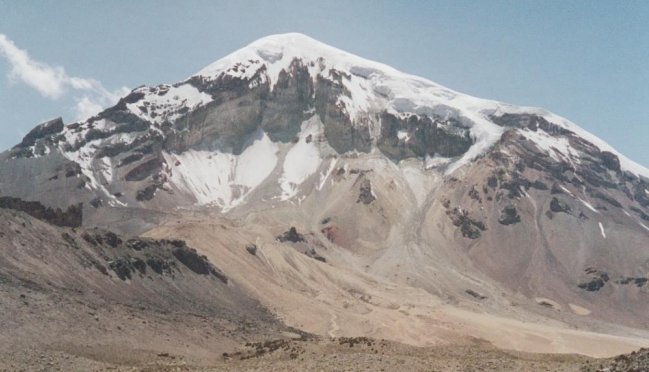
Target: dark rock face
(122,268)
(423,136)
(302,246)
(514,182)
(469,227)
(529,121)
(492,182)
(144,170)
(43,130)
(539,185)
(556,189)
(557,206)
(160,266)
(593,285)
(252,249)
(338,128)
(98,237)
(112,239)
(610,161)
(130,159)
(38,139)
(70,240)
(146,193)
(640,195)
(595,178)
(475,294)
(196,263)
(96,202)
(509,215)
(597,281)
(600,195)
(133,257)
(311,252)
(640,213)
(475,194)
(365,196)
(72,170)
(72,217)
(226,123)
(638,281)
(291,236)
(291,98)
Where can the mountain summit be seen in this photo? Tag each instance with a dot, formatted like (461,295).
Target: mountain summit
(362,188)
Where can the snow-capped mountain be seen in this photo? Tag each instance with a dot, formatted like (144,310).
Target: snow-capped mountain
(376,159)
(215,137)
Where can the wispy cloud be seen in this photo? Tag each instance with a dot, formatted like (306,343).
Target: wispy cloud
(53,82)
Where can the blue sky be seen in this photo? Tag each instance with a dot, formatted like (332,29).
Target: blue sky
(585,60)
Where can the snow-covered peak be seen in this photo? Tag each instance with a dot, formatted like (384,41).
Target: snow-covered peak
(373,86)
(277,52)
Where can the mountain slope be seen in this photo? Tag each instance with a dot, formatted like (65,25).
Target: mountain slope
(93,294)
(387,177)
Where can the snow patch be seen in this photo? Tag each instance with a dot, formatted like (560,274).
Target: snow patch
(324,176)
(167,103)
(601,229)
(588,205)
(223,179)
(85,158)
(558,148)
(567,191)
(302,160)
(256,162)
(105,166)
(436,161)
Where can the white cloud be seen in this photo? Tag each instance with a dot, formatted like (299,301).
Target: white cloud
(92,102)
(53,82)
(86,108)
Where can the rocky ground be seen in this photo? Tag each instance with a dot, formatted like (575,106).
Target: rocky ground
(77,299)
(74,299)
(341,354)
(636,361)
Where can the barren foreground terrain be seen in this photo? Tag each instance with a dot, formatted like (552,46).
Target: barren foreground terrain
(312,354)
